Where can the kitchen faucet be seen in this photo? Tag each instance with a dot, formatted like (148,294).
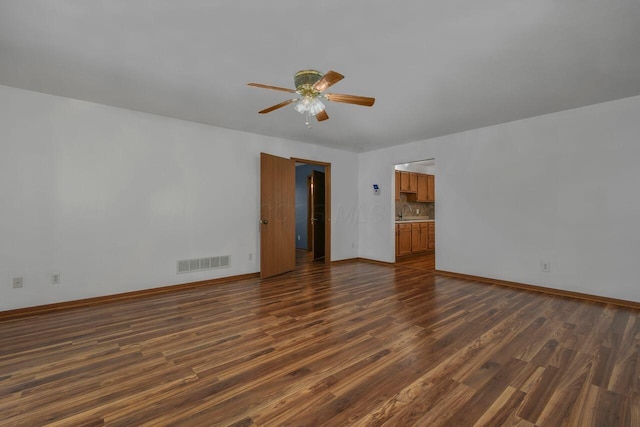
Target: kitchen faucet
(402,209)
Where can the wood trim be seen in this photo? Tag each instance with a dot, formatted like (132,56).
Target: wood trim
(373,261)
(342,261)
(327,204)
(309,216)
(88,302)
(367,260)
(542,289)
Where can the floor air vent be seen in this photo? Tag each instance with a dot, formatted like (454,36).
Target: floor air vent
(199,264)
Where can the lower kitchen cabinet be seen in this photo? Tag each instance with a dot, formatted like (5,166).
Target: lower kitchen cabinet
(415,237)
(403,239)
(419,236)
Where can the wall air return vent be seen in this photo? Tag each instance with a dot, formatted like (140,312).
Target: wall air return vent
(200,264)
(183,266)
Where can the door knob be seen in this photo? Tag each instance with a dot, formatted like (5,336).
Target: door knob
(264,221)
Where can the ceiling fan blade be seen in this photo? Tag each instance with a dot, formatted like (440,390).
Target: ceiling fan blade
(327,80)
(322,115)
(283,89)
(275,107)
(350,99)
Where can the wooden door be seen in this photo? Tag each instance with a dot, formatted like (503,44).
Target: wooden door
(318,211)
(309,215)
(277,215)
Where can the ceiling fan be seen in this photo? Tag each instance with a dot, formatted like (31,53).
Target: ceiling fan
(309,86)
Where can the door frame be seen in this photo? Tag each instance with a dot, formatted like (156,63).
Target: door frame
(327,203)
(309,215)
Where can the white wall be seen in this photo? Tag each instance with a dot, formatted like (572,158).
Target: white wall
(563,188)
(112,198)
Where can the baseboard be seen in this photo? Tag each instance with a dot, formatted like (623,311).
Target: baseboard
(87,302)
(370,261)
(542,289)
(373,261)
(48,308)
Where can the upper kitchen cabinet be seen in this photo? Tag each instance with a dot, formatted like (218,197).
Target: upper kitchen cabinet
(422,189)
(408,182)
(425,189)
(397,185)
(431,188)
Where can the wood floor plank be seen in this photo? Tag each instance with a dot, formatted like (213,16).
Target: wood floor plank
(353,343)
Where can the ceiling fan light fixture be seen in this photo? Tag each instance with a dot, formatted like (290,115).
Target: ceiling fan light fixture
(316,106)
(309,105)
(302,106)
(310,85)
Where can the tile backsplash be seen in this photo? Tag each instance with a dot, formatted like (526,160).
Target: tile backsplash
(410,209)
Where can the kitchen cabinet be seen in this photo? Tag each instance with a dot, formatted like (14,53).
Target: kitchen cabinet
(423,244)
(403,239)
(431,236)
(431,188)
(419,237)
(397,185)
(415,237)
(424,189)
(408,182)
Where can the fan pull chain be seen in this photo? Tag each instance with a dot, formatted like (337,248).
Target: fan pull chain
(307,122)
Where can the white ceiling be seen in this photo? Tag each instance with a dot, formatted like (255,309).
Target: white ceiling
(434,67)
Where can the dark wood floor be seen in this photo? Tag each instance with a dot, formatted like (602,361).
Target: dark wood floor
(351,344)
(424,261)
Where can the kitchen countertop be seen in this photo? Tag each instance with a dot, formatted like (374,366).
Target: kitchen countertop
(410,220)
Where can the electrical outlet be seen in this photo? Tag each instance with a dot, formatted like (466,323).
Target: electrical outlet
(17,282)
(55,279)
(545,267)
(250,256)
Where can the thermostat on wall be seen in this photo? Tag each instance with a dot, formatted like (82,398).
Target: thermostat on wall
(376,189)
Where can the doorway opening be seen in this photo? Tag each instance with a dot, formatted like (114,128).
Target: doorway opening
(278,214)
(415,209)
(313,211)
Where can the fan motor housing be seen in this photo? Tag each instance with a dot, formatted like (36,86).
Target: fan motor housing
(304,79)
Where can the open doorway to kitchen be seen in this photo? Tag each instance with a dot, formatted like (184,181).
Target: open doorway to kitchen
(415,213)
